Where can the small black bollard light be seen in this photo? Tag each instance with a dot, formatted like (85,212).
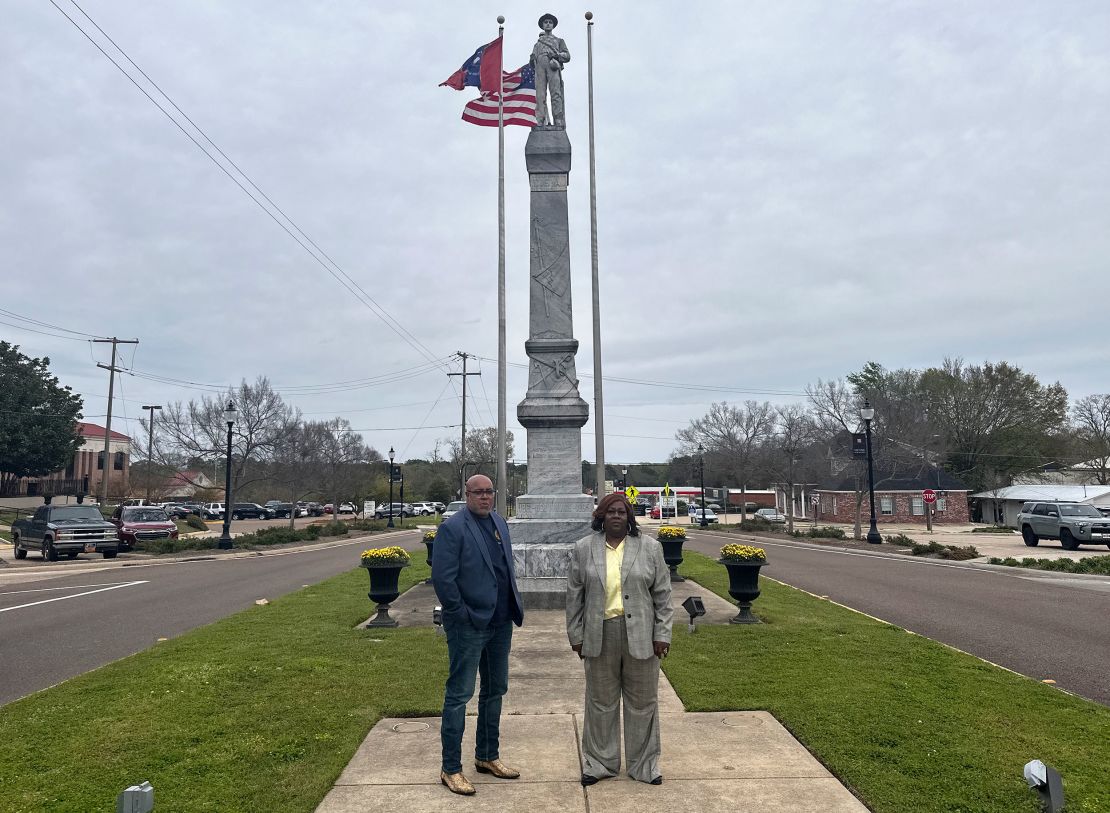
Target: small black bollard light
(437,619)
(696,608)
(1047,782)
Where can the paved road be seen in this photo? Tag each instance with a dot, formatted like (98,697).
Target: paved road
(66,618)
(1042,626)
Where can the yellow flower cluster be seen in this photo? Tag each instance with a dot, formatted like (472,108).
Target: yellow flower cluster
(670,532)
(385,556)
(429,536)
(743,553)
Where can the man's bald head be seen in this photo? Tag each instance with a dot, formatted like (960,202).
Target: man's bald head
(479,495)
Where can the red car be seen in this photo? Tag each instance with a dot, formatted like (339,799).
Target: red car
(139,523)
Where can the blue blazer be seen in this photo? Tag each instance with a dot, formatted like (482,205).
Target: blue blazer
(463,575)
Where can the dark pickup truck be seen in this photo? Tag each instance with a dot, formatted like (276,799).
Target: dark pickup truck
(68,529)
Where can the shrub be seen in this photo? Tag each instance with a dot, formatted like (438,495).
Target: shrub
(762,525)
(333,529)
(193,521)
(993,529)
(1098,565)
(950,552)
(901,539)
(824,532)
(176,545)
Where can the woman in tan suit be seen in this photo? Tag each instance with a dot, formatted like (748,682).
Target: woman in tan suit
(619,622)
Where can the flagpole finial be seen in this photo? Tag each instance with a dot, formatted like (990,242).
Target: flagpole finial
(500,19)
(590,16)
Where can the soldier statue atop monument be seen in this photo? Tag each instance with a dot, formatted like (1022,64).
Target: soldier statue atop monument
(548,57)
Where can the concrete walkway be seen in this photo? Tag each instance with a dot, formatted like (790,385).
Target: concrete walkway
(723,762)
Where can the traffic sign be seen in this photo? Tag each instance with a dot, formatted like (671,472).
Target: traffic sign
(929,496)
(666,489)
(632,493)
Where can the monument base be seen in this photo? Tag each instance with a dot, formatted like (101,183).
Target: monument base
(541,558)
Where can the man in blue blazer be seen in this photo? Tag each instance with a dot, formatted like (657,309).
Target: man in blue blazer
(472,572)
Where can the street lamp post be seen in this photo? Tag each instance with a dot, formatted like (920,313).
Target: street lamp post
(867,412)
(230,414)
(624,477)
(390,523)
(701,466)
(150,448)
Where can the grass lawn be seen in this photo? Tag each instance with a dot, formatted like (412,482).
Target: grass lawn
(262,711)
(906,723)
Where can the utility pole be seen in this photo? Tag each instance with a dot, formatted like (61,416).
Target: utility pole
(112,370)
(150,448)
(462,437)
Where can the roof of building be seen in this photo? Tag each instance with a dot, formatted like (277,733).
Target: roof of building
(92,430)
(1045,491)
(901,477)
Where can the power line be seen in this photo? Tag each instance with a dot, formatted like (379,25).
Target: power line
(343,278)
(39,322)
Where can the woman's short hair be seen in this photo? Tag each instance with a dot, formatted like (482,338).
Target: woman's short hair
(598,523)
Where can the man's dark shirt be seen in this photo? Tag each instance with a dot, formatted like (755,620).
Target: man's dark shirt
(501,613)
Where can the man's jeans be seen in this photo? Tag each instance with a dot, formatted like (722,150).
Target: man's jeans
(486,652)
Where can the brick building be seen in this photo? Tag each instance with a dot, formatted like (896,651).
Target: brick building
(898,496)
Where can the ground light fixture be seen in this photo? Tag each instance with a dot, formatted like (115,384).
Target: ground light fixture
(696,608)
(1047,782)
(391,454)
(230,414)
(867,412)
(136,799)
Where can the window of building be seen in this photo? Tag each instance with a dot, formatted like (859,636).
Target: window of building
(100,461)
(941,503)
(918,507)
(117,463)
(886,506)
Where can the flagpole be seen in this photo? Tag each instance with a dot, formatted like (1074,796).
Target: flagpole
(502,420)
(599,411)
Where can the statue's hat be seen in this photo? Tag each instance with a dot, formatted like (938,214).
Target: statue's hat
(552,17)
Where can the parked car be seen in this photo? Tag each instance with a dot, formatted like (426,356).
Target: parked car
(141,523)
(250,510)
(344,508)
(314,509)
(424,509)
(770,515)
(68,529)
(1074,524)
(283,510)
(213,510)
(453,508)
(696,516)
(400,509)
(440,507)
(175,510)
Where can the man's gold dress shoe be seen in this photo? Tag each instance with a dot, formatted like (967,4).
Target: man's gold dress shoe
(497,768)
(457,783)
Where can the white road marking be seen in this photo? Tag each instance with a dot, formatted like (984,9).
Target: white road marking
(75,595)
(71,587)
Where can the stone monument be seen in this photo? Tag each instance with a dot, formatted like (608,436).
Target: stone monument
(554,514)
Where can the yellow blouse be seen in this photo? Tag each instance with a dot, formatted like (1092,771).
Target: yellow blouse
(614,604)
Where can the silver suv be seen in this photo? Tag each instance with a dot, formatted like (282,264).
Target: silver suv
(1074,524)
(424,509)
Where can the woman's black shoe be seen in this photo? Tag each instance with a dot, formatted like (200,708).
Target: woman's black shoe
(588,780)
(656,781)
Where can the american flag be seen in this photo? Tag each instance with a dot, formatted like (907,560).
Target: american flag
(520,101)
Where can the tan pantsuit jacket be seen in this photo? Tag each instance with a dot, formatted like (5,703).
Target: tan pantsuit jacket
(646,593)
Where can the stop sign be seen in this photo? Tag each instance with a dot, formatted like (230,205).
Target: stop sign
(929,495)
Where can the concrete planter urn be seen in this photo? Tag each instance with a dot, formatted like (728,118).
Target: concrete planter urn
(384,566)
(672,540)
(429,543)
(743,563)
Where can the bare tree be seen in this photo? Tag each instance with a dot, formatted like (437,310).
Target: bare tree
(481,454)
(197,430)
(1090,420)
(336,453)
(795,431)
(732,437)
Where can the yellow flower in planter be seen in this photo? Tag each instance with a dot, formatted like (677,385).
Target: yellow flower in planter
(743,553)
(393,555)
(429,536)
(670,532)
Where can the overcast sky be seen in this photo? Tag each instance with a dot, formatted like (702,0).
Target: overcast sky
(785,191)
